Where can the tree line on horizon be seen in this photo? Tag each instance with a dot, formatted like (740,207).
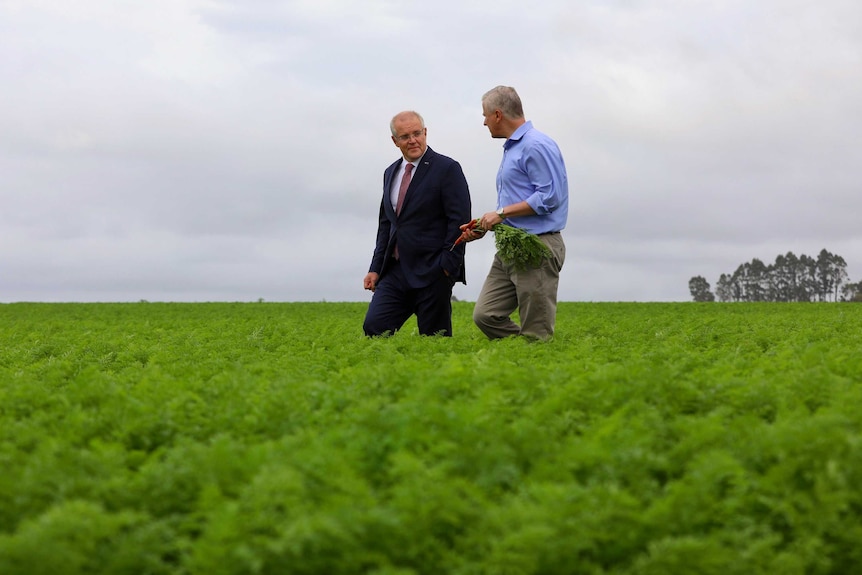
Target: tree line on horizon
(788,279)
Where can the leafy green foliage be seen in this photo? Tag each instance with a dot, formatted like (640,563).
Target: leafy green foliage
(519,248)
(275,438)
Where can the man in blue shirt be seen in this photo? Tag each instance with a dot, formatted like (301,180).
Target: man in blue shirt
(532,194)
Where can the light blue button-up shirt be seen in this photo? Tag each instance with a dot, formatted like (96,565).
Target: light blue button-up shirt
(533,170)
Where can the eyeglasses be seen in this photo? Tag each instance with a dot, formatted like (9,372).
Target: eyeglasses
(404,138)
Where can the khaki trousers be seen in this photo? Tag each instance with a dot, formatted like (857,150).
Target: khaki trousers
(533,292)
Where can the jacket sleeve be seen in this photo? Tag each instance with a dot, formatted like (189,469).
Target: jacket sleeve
(457,208)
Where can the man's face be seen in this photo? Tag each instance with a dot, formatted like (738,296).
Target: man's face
(410,137)
(492,120)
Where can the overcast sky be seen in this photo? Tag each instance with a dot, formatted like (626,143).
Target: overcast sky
(232,150)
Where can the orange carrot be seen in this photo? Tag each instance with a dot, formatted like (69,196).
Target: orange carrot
(465,228)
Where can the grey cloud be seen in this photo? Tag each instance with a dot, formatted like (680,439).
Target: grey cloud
(234,150)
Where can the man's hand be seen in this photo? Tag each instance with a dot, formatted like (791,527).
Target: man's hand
(490,220)
(370,281)
(470,231)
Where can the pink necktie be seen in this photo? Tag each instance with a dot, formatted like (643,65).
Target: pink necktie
(405,183)
(402,191)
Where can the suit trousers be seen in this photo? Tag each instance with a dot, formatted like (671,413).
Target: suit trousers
(394,301)
(533,292)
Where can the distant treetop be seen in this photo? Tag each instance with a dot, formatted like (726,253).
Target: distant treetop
(789,279)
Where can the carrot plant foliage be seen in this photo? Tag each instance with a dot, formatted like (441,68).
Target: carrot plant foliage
(519,248)
(267,438)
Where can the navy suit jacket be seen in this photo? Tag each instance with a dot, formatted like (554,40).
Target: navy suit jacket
(436,204)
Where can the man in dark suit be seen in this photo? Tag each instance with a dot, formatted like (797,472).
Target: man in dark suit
(425,200)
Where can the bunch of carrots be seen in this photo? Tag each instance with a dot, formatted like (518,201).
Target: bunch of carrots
(516,247)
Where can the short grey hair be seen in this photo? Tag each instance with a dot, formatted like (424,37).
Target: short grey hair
(405,113)
(505,99)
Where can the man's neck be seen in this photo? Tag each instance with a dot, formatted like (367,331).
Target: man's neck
(511,126)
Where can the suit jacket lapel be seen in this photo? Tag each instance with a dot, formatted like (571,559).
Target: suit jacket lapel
(418,175)
(389,175)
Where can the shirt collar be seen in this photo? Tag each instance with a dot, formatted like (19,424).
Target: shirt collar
(405,161)
(518,133)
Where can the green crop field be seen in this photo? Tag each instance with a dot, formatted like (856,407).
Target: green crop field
(273,438)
